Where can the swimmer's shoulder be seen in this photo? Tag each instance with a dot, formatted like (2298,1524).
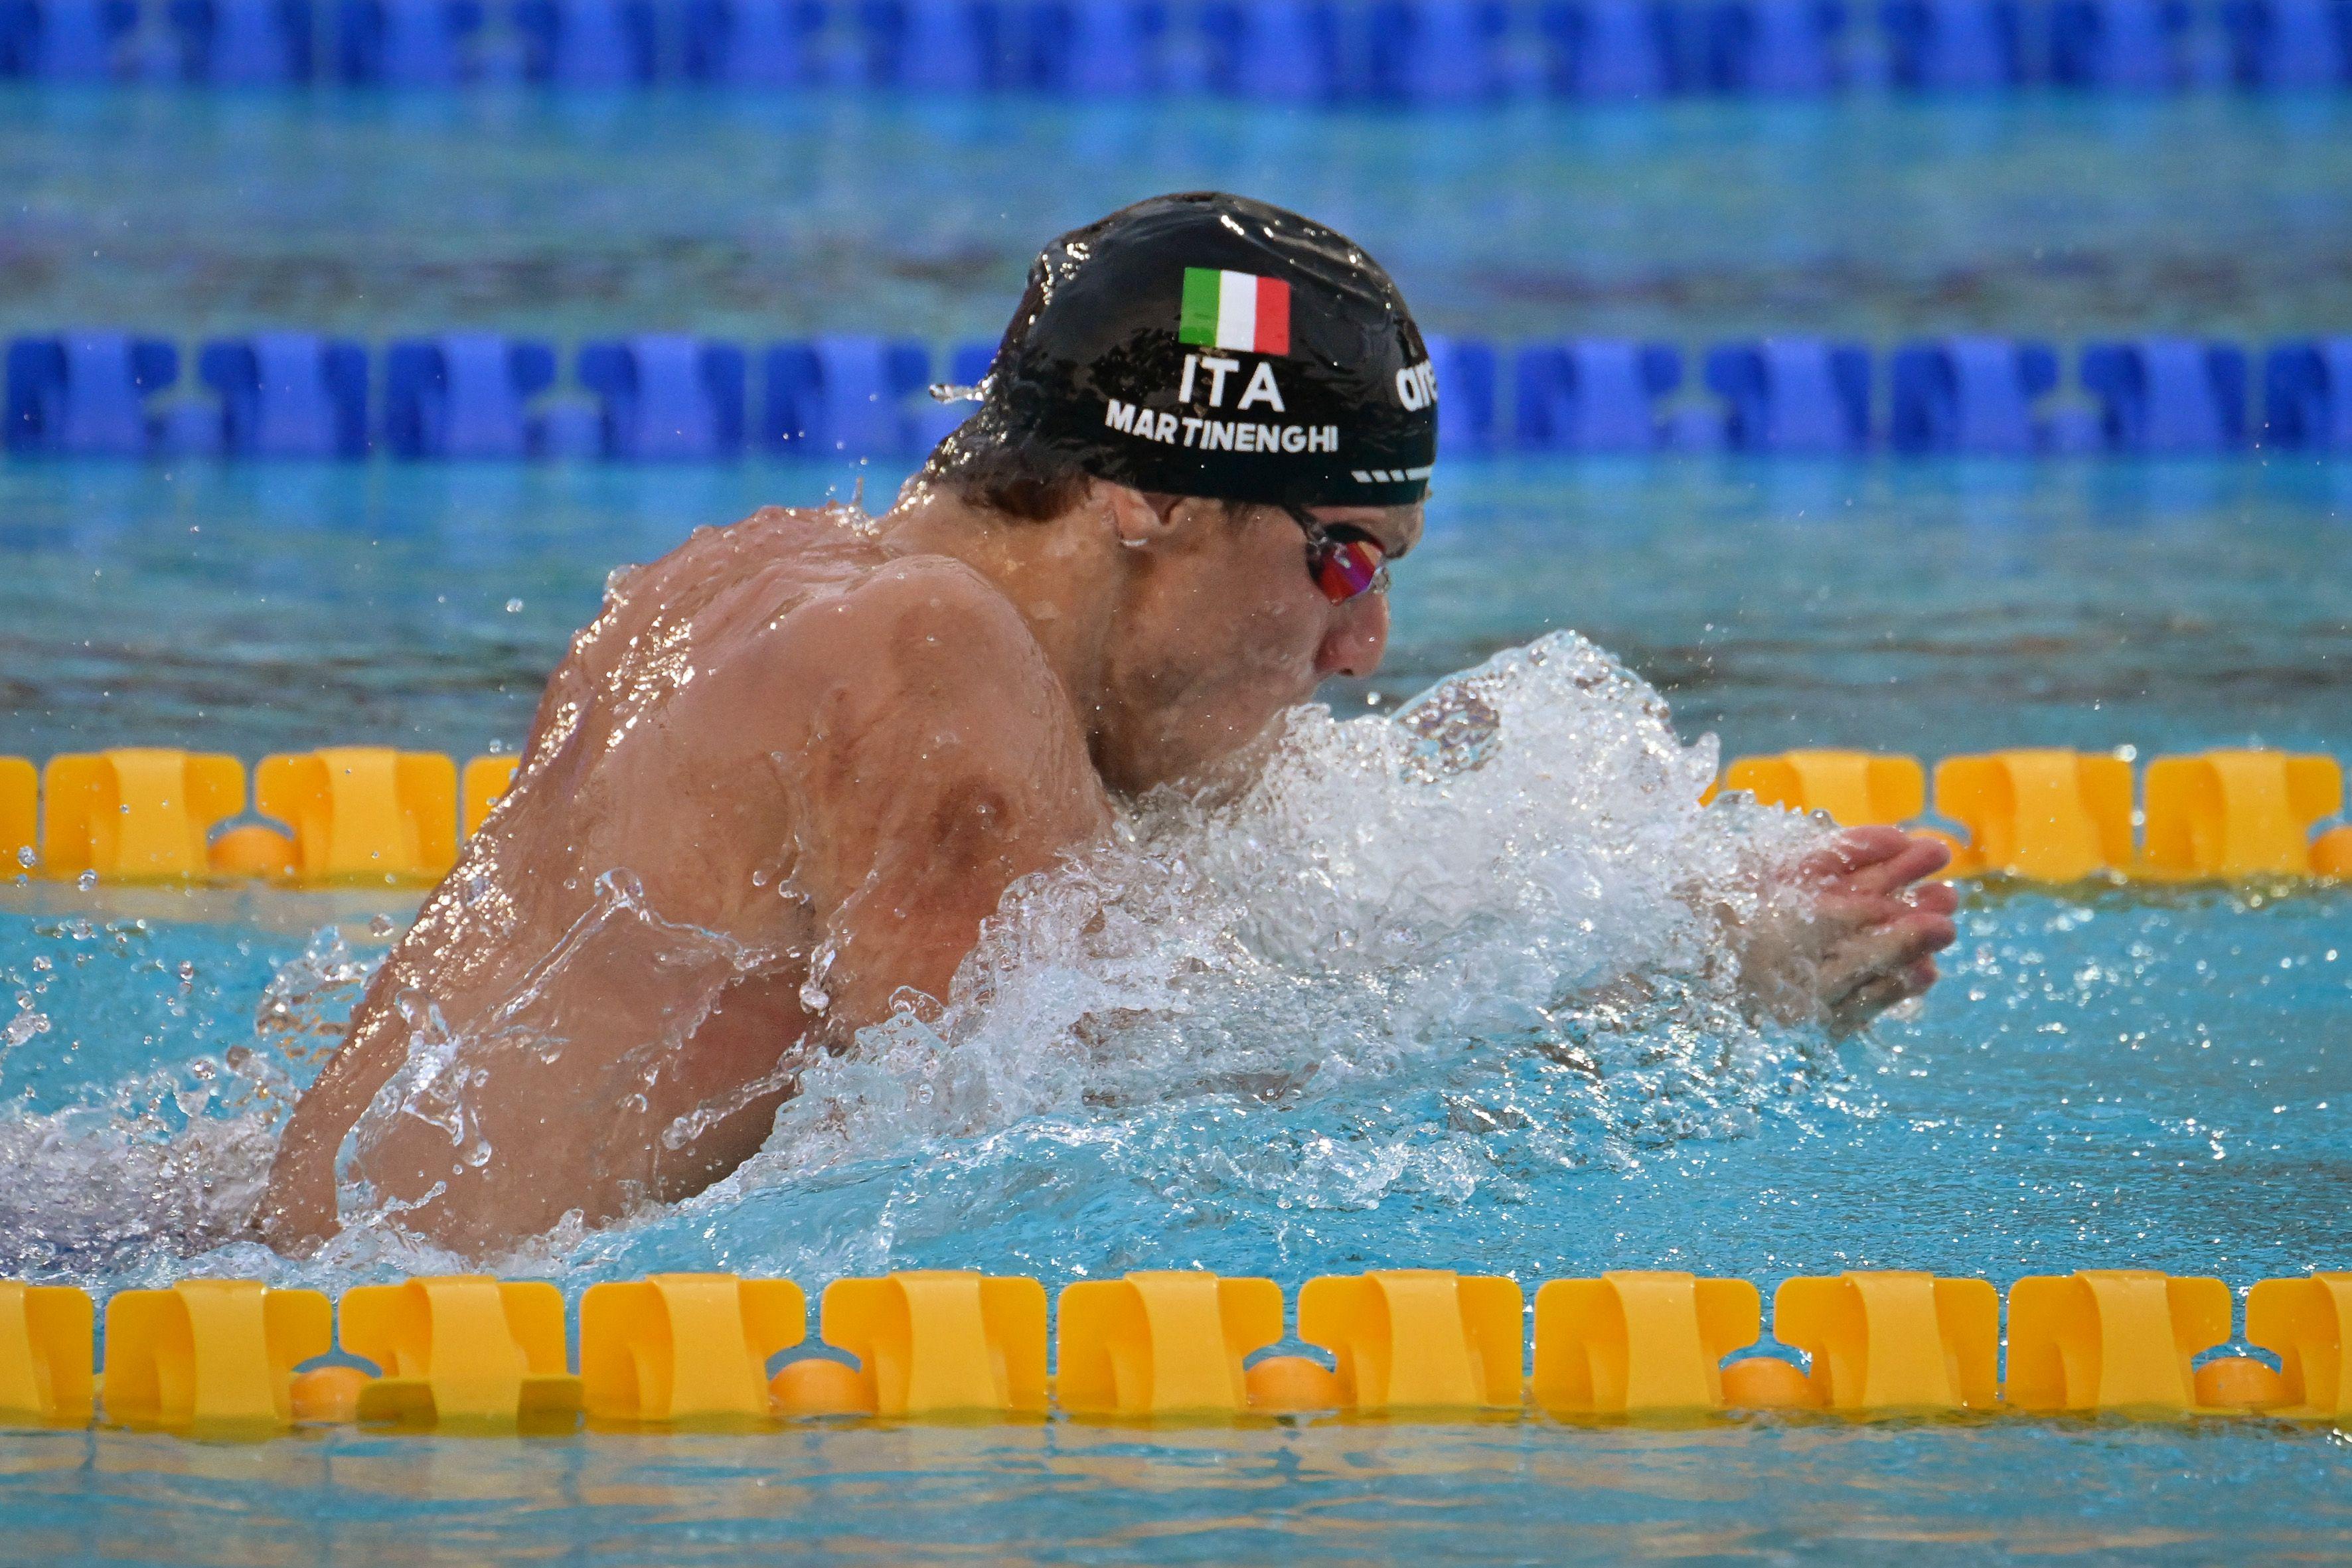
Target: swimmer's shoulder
(921,627)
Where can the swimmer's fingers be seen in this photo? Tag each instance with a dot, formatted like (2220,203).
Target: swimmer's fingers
(1892,948)
(1880,993)
(1873,929)
(1876,859)
(1934,897)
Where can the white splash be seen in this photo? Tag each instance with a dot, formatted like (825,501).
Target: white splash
(1520,856)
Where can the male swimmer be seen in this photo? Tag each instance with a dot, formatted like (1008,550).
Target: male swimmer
(792,768)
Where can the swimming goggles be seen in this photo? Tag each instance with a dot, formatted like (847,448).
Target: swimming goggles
(1343,562)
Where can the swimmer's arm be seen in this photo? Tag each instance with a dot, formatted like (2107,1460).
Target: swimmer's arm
(297,1210)
(941,760)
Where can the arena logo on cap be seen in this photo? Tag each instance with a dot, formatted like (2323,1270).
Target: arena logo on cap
(1234,310)
(1416,386)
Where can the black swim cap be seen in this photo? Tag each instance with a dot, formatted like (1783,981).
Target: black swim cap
(1211,345)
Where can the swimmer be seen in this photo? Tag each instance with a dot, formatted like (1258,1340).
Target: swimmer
(777,786)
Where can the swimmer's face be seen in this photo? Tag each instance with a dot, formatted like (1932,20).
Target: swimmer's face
(1222,627)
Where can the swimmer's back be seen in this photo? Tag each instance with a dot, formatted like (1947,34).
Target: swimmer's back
(786,775)
(629,716)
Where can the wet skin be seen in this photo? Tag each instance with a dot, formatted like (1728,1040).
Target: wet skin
(787,774)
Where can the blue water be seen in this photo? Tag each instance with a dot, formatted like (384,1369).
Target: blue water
(2107,1076)
(2032,213)
(1933,608)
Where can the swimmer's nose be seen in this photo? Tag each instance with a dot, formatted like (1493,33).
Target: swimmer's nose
(1359,636)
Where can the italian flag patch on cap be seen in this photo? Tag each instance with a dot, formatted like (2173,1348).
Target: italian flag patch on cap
(1235,310)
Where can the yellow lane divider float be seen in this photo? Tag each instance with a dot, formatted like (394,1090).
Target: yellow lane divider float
(370,816)
(471,1352)
(2056,815)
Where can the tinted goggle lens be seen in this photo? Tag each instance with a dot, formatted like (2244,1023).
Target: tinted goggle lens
(1344,568)
(1344,565)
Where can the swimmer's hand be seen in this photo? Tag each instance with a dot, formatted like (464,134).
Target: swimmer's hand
(1852,930)
(298,1211)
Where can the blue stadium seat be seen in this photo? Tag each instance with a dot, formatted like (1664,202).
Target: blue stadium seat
(2308,395)
(1610,49)
(1776,45)
(1466,376)
(1281,50)
(666,396)
(64,40)
(1954,45)
(1593,394)
(2290,43)
(1801,395)
(243,43)
(753,43)
(2118,42)
(407,43)
(86,393)
(1098,48)
(587,43)
(288,394)
(848,395)
(931,45)
(2168,396)
(1436,51)
(1970,395)
(464,395)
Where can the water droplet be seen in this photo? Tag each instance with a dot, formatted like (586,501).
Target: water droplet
(24,856)
(87,881)
(514,606)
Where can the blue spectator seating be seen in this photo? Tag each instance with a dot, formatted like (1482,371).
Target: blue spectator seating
(85,393)
(1800,395)
(1776,45)
(288,394)
(666,396)
(587,43)
(1282,50)
(931,45)
(1610,49)
(2308,395)
(1593,394)
(849,395)
(64,40)
(407,43)
(2118,42)
(2289,43)
(1436,51)
(1970,395)
(464,395)
(2160,395)
(753,43)
(1097,48)
(243,43)
(1953,45)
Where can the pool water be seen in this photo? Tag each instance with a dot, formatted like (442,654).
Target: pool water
(1392,1070)
(2035,214)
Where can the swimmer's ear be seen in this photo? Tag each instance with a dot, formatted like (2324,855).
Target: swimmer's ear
(1138,520)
